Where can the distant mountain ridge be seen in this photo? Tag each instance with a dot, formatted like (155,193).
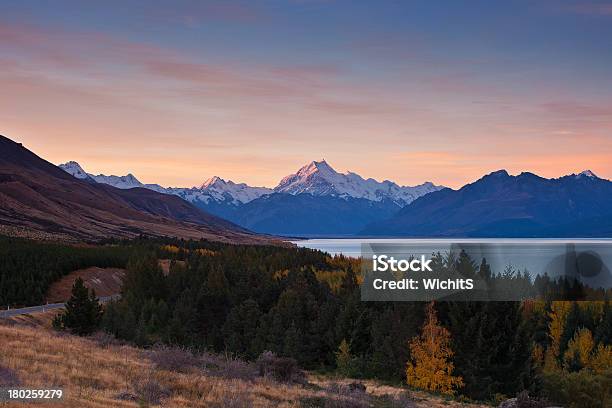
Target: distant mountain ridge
(311,201)
(318,201)
(37,199)
(320,179)
(317,178)
(501,205)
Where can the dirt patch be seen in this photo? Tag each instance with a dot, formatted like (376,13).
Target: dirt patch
(105,281)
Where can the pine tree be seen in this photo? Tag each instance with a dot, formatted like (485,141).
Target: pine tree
(83,312)
(240,328)
(431,368)
(603,333)
(484,270)
(344,358)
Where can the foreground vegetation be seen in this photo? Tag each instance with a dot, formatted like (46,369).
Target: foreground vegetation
(304,307)
(98,371)
(28,268)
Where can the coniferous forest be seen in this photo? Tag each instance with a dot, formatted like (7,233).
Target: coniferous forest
(27,268)
(304,304)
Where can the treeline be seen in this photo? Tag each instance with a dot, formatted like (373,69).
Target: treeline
(27,268)
(303,304)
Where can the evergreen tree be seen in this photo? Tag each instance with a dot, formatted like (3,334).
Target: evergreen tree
(485,270)
(143,280)
(240,328)
(603,333)
(83,312)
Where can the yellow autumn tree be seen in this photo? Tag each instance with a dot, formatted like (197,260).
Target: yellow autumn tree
(579,349)
(557,315)
(601,359)
(344,358)
(430,367)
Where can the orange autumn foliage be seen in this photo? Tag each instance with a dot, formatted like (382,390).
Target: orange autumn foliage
(431,368)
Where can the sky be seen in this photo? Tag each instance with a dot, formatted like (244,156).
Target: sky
(411,91)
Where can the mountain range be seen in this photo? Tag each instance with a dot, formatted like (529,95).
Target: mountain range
(316,200)
(502,205)
(38,199)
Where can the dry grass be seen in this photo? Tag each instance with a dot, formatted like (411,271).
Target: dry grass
(96,373)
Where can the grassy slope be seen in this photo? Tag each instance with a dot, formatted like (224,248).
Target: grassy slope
(94,373)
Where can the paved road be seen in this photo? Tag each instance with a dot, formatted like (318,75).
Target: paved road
(43,308)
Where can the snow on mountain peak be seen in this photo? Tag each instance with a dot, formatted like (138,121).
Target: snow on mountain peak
(215,188)
(73,168)
(587,173)
(222,190)
(319,179)
(316,166)
(123,182)
(214,180)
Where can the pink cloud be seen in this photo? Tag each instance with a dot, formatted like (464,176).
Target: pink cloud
(575,109)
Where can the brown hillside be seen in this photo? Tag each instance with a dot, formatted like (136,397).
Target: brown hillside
(38,197)
(96,372)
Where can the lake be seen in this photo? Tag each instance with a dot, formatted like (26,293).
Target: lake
(536,255)
(352,246)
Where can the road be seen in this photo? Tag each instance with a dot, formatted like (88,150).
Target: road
(43,308)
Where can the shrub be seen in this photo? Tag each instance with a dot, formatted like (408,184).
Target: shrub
(582,389)
(175,359)
(283,369)
(227,366)
(234,368)
(149,391)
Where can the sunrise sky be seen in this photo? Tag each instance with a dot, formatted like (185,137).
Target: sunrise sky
(444,91)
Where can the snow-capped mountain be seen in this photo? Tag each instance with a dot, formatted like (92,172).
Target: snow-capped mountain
(587,173)
(320,179)
(218,188)
(317,178)
(76,170)
(315,200)
(214,189)
(122,182)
